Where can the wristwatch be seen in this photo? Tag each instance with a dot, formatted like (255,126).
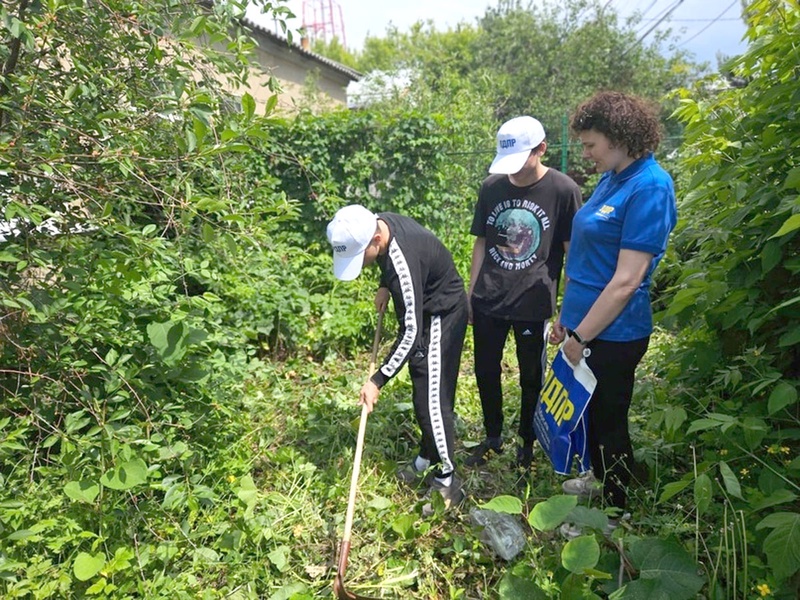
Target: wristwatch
(586,352)
(578,338)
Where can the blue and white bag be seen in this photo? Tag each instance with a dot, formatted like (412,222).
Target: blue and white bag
(559,421)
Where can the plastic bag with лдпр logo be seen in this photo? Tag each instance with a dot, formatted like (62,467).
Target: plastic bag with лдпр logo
(559,421)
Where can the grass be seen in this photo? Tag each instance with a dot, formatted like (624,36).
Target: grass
(262,517)
(305,425)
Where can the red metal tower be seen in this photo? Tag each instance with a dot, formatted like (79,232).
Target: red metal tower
(322,20)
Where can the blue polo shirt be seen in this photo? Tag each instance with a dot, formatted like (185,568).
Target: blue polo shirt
(631,210)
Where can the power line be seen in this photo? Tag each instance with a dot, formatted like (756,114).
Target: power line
(665,14)
(732,4)
(697,20)
(660,16)
(647,10)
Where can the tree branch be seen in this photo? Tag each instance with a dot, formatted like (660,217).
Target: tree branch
(11,63)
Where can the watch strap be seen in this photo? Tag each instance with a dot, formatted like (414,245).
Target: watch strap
(578,337)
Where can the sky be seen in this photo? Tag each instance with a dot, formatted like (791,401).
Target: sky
(705,27)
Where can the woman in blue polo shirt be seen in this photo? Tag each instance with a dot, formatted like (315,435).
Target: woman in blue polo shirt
(618,238)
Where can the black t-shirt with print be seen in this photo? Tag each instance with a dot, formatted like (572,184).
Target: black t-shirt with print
(525,230)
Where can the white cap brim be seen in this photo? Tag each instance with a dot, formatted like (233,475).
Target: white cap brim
(347,268)
(508,164)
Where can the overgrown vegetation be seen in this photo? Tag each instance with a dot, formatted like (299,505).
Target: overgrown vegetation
(178,367)
(526,58)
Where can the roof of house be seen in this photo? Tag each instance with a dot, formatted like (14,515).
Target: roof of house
(282,41)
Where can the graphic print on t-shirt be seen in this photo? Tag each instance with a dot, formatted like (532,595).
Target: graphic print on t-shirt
(519,225)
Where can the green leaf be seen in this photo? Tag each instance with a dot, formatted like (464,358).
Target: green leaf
(782,396)
(672,489)
(755,430)
(783,305)
(790,338)
(782,545)
(88,565)
(702,425)
(280,558)
(248,105)
(50,441)
(76,421)
(549,514)
(247,492)
(403,526)
(703,493)
(674,417)
(730,480)
(97,587)
(191,140)
(593,518)
(504,504)
(111,357)
(665,569)
(200,129)
(202,112)
(793,179)
(232,147)
(290,591)
(126,475)
(580,554)
(17,27)
(168,339)
(574,588)
(208,233)
(203,554)
(82,491)
(210,204)
(771,256)
(791,224)
(271,104)
(513,587)
(380,503)
(777,497)
(198,26)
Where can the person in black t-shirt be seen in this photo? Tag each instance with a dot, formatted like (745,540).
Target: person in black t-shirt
(522,224)
(431,308)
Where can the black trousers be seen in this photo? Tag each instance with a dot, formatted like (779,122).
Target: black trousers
(489,334)
(614,366)
(434,373)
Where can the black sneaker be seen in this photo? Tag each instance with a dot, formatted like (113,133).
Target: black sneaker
(452,494)
(524,456)
(482,453)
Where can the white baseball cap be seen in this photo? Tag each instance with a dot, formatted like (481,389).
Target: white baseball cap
(515,140)
(350,232)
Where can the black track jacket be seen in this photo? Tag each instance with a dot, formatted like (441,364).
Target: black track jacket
(420,274)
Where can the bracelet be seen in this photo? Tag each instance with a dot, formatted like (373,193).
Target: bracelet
(578,338)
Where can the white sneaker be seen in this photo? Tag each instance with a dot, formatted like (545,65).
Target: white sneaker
(585,486)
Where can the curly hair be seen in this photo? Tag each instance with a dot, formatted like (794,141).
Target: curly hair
(624,119)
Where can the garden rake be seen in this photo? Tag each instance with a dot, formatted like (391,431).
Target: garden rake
(338,584)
